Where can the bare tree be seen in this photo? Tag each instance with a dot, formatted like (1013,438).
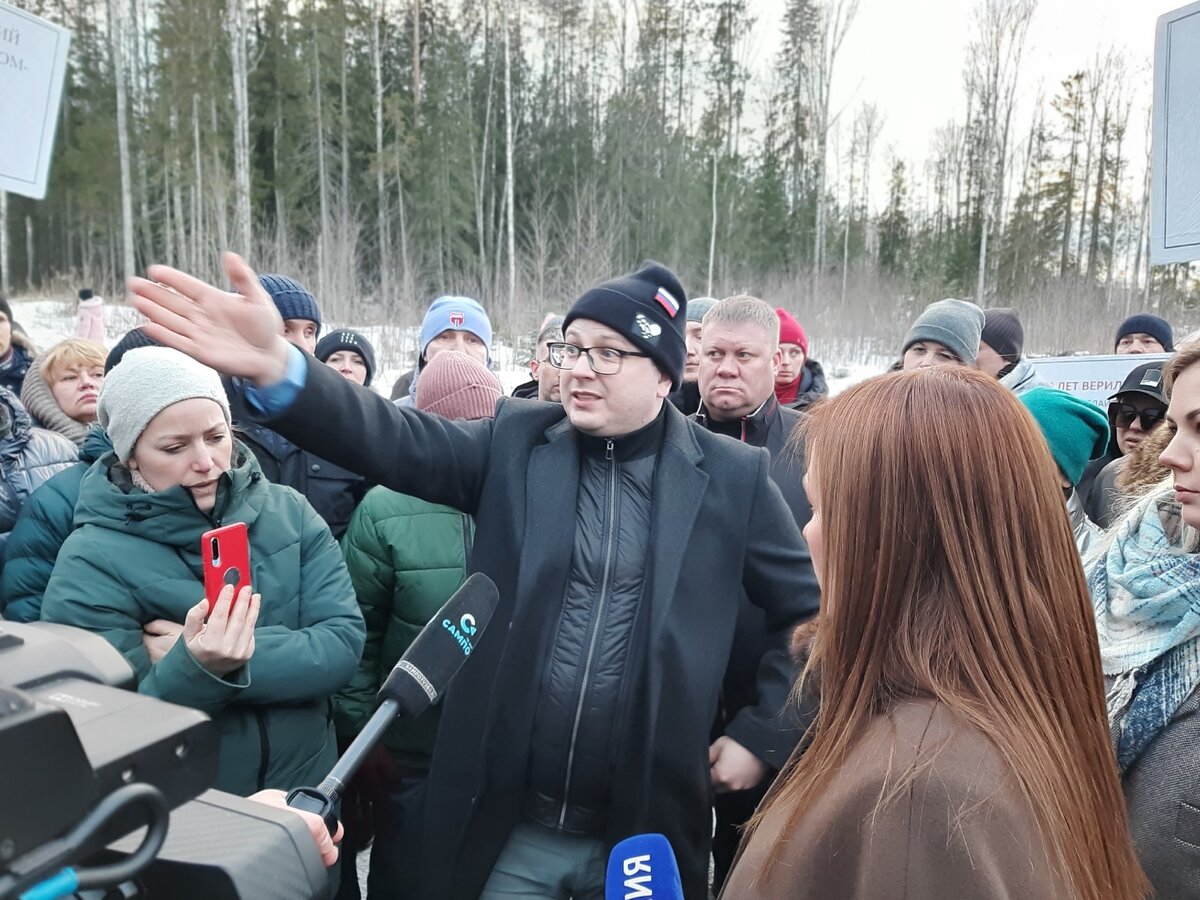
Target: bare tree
(994,65)
(712,239)
(835,19)
(116,19)
(385,263)
(416,62)
(509,178)
(236,27)
(322,173)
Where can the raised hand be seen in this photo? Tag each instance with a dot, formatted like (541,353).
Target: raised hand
(238,333)
(225,642)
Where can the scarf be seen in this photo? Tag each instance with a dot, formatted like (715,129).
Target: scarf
(1146,595)
(787,394)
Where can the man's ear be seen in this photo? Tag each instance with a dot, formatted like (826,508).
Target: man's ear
(534,365)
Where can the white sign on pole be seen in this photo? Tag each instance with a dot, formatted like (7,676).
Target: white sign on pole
(1175,145)
(1092,378)
(33,62)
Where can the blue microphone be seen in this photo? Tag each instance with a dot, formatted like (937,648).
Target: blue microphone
(643,867)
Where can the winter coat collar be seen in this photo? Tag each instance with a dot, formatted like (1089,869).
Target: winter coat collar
(108,499)
(754,428)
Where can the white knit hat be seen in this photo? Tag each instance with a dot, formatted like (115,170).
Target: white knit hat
(148,380)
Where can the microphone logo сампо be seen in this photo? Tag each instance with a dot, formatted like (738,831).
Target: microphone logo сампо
(462,632)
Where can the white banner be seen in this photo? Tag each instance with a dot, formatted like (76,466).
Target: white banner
(33,62)
(1092,378)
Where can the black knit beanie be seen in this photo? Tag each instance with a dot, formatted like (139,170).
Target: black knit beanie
(5,308)
(132,339)
(348,340)
(648,307)
(1002,332)
(1145,323)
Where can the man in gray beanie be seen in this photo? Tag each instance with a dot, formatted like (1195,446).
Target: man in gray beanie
(687,398)
(946,333)
(616,532)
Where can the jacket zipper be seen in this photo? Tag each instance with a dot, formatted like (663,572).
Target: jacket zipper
(594,627)
(467,527)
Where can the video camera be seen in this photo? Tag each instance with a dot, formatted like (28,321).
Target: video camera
(106,791)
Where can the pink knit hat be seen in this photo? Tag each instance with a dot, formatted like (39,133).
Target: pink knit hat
(456,386)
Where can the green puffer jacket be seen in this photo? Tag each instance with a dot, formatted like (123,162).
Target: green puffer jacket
(406,557)
(135,556)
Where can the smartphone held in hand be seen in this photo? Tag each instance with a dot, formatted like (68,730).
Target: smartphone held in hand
(226,555)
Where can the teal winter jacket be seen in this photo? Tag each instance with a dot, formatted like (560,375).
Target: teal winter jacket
(135,556)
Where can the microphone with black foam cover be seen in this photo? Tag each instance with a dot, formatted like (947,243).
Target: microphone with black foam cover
(643,867)
(417,681)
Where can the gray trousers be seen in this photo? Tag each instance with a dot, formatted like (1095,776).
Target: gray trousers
(539,864)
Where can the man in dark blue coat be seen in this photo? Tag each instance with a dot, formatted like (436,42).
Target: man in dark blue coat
(619,535)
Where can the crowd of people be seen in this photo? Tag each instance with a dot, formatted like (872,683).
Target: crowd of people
(936,636)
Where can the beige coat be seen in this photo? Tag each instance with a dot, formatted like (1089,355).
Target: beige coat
(960,830)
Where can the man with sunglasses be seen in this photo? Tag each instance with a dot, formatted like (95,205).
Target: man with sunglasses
(1133,412)
(619,534)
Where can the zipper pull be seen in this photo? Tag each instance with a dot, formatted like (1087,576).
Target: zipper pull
(608,449)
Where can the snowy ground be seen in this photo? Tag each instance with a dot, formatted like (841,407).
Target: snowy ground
(49,321)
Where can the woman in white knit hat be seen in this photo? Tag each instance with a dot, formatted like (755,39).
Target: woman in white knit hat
(263,665)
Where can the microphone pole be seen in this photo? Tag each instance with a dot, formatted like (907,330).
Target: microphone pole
(418,680)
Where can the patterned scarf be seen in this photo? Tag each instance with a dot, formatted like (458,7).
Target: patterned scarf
(1146,594)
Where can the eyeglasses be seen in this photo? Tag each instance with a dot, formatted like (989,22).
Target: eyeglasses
(603,360)
(1124,414)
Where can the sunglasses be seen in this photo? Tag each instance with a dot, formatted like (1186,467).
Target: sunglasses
(1124,414)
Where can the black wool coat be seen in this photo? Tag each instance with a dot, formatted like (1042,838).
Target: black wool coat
(719,524)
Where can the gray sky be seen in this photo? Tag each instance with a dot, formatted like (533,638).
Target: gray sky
(906,56)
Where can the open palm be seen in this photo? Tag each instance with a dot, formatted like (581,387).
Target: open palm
(237,333)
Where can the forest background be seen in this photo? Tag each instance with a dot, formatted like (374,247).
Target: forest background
(388,151)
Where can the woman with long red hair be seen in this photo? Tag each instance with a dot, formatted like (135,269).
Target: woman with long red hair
(961,748)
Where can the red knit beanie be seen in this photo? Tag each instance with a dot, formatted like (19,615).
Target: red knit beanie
(456,386)
(790,331)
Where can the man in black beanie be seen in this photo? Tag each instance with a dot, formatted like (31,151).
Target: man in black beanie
(616,532)
(1144,333)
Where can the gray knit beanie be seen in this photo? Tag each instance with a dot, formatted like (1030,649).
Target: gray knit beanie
(955,324)
(698,306)
(148,380)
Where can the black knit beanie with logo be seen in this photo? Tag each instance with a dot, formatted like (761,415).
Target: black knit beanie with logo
(648,307)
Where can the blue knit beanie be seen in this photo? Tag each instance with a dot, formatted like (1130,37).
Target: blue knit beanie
(291,298)
(456,314)
(1075,430)
(1144,323)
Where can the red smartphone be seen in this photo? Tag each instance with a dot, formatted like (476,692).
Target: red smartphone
(226,554)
